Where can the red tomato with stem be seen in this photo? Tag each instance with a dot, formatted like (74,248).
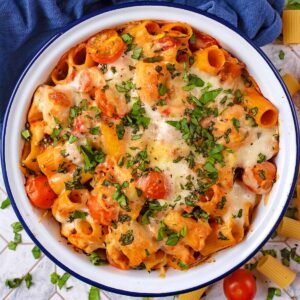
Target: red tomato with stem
(240,285)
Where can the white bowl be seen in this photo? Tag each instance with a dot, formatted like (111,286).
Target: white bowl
(46,233)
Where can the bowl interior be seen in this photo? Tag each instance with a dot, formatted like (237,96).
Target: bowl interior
(46,232)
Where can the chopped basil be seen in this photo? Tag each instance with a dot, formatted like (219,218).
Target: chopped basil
(262,174)
(125,86)
(72,139)
(162,89)
(75,184)
(17,227)
(209,96)
(272,291)
(94,293)
(13,283)
(238,96)
(124,218)
(251,121)
(178,159)
(182,265)
(137,53)
(120,130)
(261,158)
(271,252)
(5,203)
(221,203)
(193,38)
(183,231)
(136,117)
(193,81)
(94,130)
(28,280)
(16,282)
(281,55)
(96,260)
(59,280)
(236,123)
(12,246)
(36,252)
(221,236)
(294,256)
(251,266)
(152,59)
(172,240)
(77,214)
(161,102)
(127,38)
(26,134)
(285,256)
(239,214)
(119,195)
(136,137)
(103,68)
(91,157)
(254,111)
(126,238)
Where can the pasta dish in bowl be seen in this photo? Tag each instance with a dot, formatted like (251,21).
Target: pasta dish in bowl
(151,145)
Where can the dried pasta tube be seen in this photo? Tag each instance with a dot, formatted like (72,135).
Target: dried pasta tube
(194,295)
(291,26)
(275,271)
(178,30)
(262,110)
(298,200)
(289,228)
(291,83)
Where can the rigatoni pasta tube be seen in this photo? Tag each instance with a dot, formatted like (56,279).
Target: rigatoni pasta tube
(210,59)
(262,110)
(79,58)
(178,30)
(291,26)
(289,228)
(275,271)
(194,295)
(291,83)
(62,72)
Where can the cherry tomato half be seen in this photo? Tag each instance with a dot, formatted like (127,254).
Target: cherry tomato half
(201,40)
(153,185)
(240,285)
(39,191)
(105,47)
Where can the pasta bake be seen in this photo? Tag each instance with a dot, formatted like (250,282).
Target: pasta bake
(151,145)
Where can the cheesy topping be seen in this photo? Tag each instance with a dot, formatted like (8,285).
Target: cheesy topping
(154,143)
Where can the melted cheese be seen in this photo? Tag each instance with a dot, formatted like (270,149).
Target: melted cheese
(237,198)
(260,141)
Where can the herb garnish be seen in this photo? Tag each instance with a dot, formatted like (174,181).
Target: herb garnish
(126,238)
(77,214)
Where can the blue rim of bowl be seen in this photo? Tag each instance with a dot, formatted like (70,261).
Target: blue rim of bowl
(112,8)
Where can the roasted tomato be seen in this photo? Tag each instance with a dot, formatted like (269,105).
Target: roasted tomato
(39,191)
(201,40)
(154,185)
(105,47)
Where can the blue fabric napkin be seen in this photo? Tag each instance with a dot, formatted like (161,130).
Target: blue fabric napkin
(26,24)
